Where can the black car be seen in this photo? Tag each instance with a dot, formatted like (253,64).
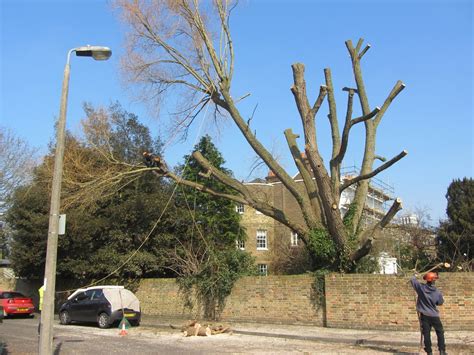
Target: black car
(104,305)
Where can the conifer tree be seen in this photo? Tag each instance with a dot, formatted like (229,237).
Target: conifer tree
(456,234)
(211,235)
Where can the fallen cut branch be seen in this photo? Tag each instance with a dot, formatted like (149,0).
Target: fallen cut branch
(197,330)
(194,328)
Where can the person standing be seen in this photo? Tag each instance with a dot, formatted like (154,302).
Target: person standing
(429,297)
(40,306)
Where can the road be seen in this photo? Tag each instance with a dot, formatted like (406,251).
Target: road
(19,336)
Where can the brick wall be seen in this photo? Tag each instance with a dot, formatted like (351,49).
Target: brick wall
(388,301)
(352,301)
(162,297)
(278,299)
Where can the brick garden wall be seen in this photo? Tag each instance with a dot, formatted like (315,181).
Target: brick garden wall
(351,301)
(278,299)
(162,297)
(388,301)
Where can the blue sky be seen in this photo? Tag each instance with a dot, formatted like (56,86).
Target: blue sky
(425,43)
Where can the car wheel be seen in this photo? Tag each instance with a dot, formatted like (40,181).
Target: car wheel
(135,323)
(103,320)
(64,318)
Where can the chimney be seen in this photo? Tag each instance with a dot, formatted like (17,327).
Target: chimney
(271,177)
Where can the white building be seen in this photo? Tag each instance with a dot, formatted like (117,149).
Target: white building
(387,264)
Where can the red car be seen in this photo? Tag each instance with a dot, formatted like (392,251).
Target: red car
(15,303)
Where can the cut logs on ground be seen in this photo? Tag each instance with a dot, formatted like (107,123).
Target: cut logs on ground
(194,328)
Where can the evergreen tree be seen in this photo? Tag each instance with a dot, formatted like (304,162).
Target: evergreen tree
(211,237)
(456,234)
(101,237)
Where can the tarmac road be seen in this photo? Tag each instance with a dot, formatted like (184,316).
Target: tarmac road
(19,336)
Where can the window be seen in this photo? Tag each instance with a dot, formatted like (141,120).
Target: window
(83,296)
(7,295)
(240,244)
(262,239)
(263,269)
(240,209)
(97,294)
(294,239)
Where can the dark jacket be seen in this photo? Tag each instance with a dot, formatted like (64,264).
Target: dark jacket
(428,298)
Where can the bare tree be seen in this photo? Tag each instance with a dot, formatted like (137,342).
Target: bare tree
(17,160)
(187,45)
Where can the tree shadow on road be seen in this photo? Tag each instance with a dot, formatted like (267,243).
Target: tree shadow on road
(389,349)
(57,349)
(4,348)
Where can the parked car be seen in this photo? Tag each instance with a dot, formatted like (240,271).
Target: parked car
(104,305)
(15,303)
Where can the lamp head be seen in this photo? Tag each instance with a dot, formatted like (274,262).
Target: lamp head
(96,52)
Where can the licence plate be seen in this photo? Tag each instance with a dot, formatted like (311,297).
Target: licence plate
(129,314)
(22,309)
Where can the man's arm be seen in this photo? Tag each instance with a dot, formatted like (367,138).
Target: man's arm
(440,299)
(415,283)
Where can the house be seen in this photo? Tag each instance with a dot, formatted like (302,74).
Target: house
(278,249)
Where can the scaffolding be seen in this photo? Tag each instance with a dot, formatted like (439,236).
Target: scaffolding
(378,196)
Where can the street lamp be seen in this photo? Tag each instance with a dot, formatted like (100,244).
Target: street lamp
(47,313)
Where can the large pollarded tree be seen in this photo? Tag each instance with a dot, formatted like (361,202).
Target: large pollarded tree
(187,45)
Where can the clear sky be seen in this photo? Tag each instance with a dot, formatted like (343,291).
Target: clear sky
(425,43)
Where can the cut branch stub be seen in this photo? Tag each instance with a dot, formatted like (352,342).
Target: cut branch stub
(369,235)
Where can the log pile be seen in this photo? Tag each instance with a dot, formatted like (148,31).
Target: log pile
(193,328)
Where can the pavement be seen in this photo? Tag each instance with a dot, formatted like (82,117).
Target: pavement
(459,340)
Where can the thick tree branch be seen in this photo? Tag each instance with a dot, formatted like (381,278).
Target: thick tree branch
(335,135)
(224,17)
(337,160)
(319,101)
(244,196)
(353,52)
(398,87)
(361,54)
(374,172)
(369,235)
(332,113)
(304,170)
(327,194)
(302,199)
(329,203)
(302,102)
(345,133)
(249,196)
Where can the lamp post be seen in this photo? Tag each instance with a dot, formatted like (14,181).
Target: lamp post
(47,313)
